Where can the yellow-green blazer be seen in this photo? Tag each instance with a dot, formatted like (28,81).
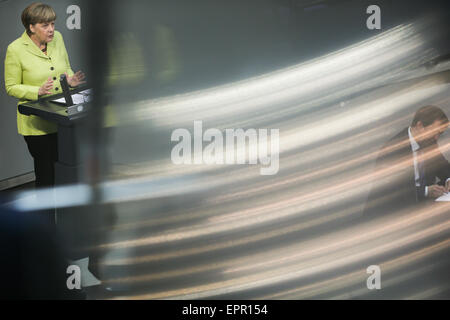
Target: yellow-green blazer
(27,68)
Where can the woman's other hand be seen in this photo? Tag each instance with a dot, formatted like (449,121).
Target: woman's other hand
(46,87)
(76,79)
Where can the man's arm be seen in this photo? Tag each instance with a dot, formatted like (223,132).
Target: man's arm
(440,168)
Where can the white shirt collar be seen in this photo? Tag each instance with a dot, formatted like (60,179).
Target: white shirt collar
(414,145)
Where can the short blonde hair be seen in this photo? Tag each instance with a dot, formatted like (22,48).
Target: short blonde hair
(37,12)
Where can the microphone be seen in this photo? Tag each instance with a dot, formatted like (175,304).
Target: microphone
(66,90)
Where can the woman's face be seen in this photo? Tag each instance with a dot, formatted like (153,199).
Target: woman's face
(43,32)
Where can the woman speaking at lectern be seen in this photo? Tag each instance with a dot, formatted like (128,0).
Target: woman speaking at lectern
(33,65)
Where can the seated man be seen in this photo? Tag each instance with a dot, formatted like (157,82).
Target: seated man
(410,167)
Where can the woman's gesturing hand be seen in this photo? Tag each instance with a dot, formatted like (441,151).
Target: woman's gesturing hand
(76,79)
(46,87)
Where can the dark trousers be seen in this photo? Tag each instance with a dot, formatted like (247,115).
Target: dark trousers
(44,150)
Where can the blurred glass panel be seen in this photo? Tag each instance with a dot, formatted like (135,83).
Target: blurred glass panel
(334,90)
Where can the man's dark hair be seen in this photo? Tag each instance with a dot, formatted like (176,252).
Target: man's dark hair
(428,115)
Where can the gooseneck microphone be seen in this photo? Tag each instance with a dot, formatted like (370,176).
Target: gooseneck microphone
(66,90)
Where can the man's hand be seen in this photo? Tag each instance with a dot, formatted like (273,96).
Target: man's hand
(435,191)
(76,79)
(447,186)
(46,87)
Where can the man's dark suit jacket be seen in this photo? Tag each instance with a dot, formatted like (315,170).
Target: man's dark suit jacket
(394,188)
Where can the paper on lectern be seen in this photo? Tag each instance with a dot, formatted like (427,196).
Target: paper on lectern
(77,98)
